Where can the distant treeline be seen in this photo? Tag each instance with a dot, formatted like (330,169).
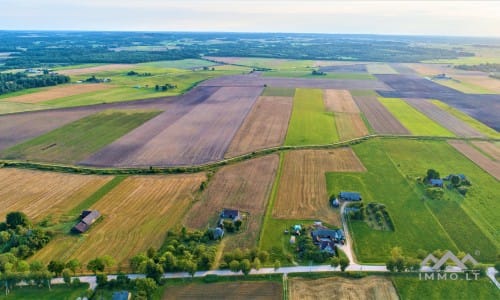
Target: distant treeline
(36,49)
(488,68)
(12,82)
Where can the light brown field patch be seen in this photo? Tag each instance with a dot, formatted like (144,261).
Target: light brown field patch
(371,287)
(484,81)
(96,69)
(427,69)
(302,192)
(59,92)
(484,162)
(489,148)
(339,101)
(261,290)
(40,194)
(350,126)
(244,186)
(135,216)
(264,127)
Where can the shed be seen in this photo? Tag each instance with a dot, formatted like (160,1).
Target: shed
(436,182)
(350,196)
(218,233)
(232,214)
(91,217)
(88,217)
(121,295)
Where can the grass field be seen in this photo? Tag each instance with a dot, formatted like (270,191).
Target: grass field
(372,287)
(136,216)
(76,141)
(464,87)
(7,107)
(310,124)
(42,194)
(410,288)
(180,64)
(467,119)
(56,292)
(379,68)
(278,91)
(308,74)
(416,122)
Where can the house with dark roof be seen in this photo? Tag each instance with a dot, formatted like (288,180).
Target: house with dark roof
(87,218)
(335,235)
(231,214)
(350,196)
(436,182)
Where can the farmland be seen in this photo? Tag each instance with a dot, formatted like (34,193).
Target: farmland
(264,127)
(377,68)
(310,124)
(277,91)
(413,120)
(94,69)
(76,141)
(491,149)
(484,162)
(350,126)
(442,117)
(371,287)
(136,216)
(339,101)
(308,74)
(244,186)
(379,117)
(302,192)
(262,290)
(58,92)
(44,194)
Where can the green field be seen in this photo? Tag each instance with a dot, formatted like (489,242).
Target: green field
(380,68)
(56,292)
(308,74)
(310,124)
(416,122)
(470,60)
(490,132)
(180,64)
(76,141)
(454,223)
(278,91)
(464,87)
(7,107)
(412,288)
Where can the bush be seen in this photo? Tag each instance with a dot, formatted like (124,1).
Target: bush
(211,278)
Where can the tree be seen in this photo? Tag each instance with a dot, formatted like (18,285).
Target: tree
(154,270)
(335,262)
(245,266)
(400,264)
(344,263)
(234,266)
(497,266)
(256,263)
(396,252)
(96,265)
(101,279)
(138,262)
(432,174)
(56,267)
(190,267)
(455,180)
(73,264)
(66,276)
(17,218)
(146,285)
(391,265)
(263,256)
(277,265)
(237,225)
(108,261)
(37,266)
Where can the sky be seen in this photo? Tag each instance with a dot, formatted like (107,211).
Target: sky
(459,18)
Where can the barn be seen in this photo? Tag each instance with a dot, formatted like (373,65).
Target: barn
(350,196)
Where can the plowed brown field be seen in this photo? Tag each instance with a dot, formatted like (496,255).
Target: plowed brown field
(489,148)
(261,290)
(484,162)
(265,126)
(350,126)
(39,194)
(244,186)
(369,288)
(379,117)
(59,92)
(302,192)
(339,101)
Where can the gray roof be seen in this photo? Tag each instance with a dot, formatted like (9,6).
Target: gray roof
(350,195)
(91,217)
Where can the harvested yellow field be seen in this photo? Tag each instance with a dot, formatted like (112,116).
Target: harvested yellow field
(350,126)
(339,101)
(489,148)
(40,194)
(59,92)
(368,288)
(97,69)
(136,215)
(427,69)
(302,191)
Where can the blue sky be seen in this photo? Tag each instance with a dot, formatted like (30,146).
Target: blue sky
(471,18)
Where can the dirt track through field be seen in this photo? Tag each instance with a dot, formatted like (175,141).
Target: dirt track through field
(379,117)
(97,69)
(200,136)
(265,126)
(59,92)
(339,101)
(262,290)
(442,117)
(244,186)
(40,194)
(484,162)
(368,288)
(302,192)
(489,148)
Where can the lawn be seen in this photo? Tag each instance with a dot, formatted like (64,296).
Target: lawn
(56,292)
(310,124)
(490,132)
(416,122)
(278,91)
(76,141)
(412,288)
(308,74)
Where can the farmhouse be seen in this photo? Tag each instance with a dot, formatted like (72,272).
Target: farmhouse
(88,217)
(436,182)
(350,196)
(325,239)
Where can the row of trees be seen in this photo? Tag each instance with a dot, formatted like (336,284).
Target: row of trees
(12,82)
